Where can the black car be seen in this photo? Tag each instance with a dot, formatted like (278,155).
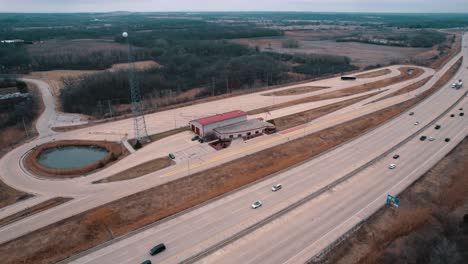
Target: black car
(447,140)
(396,156)
(452,115)
(437,127)
(146,262)
(157,249)
(422,138)
(462,114)
(411,113)
(461,109)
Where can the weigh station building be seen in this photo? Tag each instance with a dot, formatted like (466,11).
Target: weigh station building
(230,125)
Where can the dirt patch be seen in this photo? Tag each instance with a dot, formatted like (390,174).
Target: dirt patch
(427,215)
(115,150)
(296,91)
(83,231)
(139,170)
(285,122)
(139,65)
(374,74)
(404,75)
(55,78)
(33,210)
(361,54)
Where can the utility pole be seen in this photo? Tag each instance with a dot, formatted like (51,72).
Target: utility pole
(139,123)
(110,107)
(25,128)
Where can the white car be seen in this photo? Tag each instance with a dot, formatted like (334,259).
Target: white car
(392,166)
(276,187)
(256,205)
(431,139)
(416,123)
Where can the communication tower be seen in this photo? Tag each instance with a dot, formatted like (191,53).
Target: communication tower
(139,123)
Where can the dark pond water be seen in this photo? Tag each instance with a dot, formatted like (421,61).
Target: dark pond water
(71,157)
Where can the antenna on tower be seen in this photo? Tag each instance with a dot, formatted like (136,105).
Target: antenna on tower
(139,123)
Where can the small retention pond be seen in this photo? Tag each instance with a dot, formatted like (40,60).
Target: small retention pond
(71,157)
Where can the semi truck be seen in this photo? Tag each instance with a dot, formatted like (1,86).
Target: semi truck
(457,85)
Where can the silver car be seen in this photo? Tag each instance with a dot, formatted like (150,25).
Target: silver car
(276,187)
(392,166)
(256,204)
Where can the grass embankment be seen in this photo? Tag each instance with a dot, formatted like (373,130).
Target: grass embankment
(406,89)
(10,196)
(83,231)
(345,92)
(33,210)
(139,170)
(374,74)
(289,121)
(429,224)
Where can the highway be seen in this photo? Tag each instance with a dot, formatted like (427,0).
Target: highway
(317,222)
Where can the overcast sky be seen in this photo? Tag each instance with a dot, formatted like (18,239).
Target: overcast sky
(418,6)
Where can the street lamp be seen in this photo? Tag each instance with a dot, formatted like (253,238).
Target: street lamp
(188,164)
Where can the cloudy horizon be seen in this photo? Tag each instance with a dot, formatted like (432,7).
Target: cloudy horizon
(370,6)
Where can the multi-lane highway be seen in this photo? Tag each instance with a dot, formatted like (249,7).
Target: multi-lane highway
(192,233)
(300,233)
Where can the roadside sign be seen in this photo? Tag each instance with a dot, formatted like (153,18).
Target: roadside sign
(393,200)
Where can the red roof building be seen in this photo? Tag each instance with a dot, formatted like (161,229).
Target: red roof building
(204,126)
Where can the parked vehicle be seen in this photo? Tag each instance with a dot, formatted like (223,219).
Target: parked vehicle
(422,138)
(157,249)
(416,123)
(462,114)
(396,156)
(256,204)
(201,140)
(431,139)
(146,262)
(447,140)
(171,156)
(452,115)
(437,127)
(411,113)
(276,187)
(392,166)
(195,138)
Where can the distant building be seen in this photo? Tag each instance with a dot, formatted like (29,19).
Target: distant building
(11,41)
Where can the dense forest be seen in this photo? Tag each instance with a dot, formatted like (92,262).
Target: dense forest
(15,111)
(217,66)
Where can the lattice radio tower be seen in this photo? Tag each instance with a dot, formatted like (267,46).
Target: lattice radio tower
(139,123)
